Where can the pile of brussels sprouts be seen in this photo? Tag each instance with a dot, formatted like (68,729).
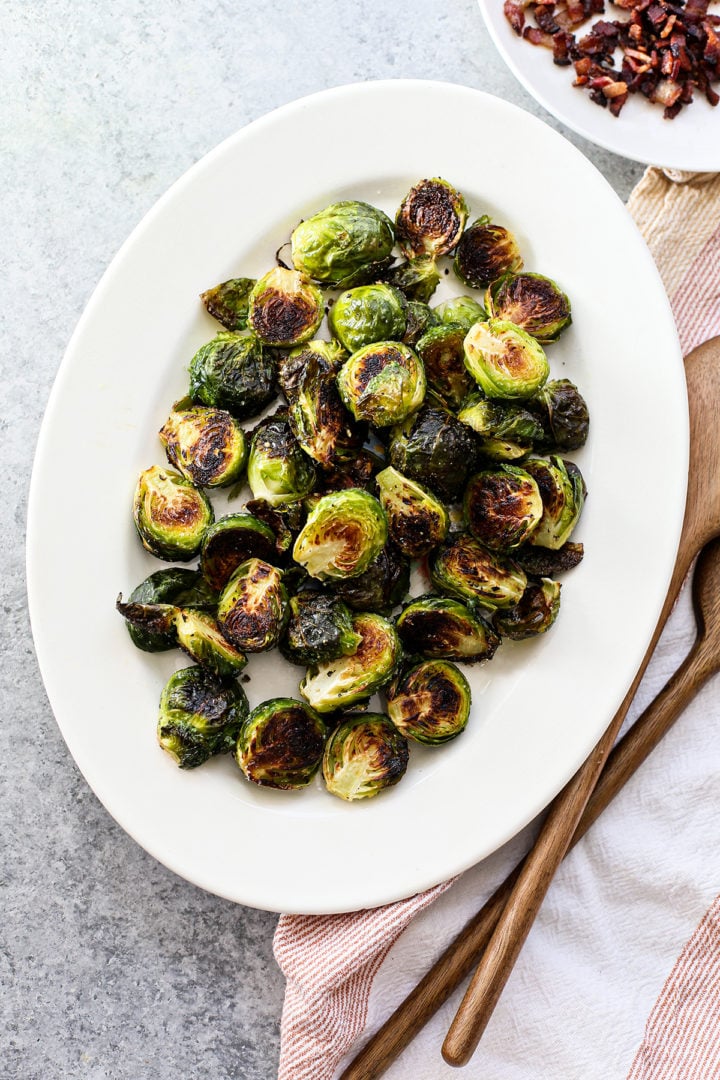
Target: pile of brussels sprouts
(416,432)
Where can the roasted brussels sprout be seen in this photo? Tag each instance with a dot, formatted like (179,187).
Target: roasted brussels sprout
(170,515)
(382,383)
(350,468)
(154,619)
(343,533)
(505,361)
(345,238)
(364,755)
(206,445)
(442,352)
(562,490)
(278,469)
(460,311)
(229,302)
(320,628)
(417,521)
(200,715)
(326,355)
(232,540)
(199,635)
(438,627)
(253,606)
(430,703)
(417,279)
(485,252)
(281,744)
(565,415)
(469,571)
(176,586)
(431,219)
(367,314)
(381,587)
(542,562)
(502,507)
(233,372)
(286,521)
(435,449)
(419,320)
(319,420)
(507,428)
(535,613)
(531,301)
(285,308)
(346,680)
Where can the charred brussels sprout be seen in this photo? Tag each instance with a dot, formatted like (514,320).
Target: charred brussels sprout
(231,541)
(438,627)
(417,279)
(286,521)
(367,314)
(485,252)
(346,680)
(468,570)
(563,494)
(341,241)
(326,355)
(176,586)
(534,614)
(170,515)
(320,628)
(431,219)
(502,507)
(199,635)
(430,703)
(417,521)
(565,414)
(507,429)
(542,562)
(364,755)
(281,744)
(233,372)
(200,715)
(381,587)
(435,449)
(157,620)
(253,606)
(505,361)
(382,383)
(278,470)
(229,302)
(343,533)
(460,311)
(442,352)
(531,301)
(285,308)
(319,420)
(351,468)
(206,445)
(419,320)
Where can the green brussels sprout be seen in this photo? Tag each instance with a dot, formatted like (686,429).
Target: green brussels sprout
(534,614)
(460,311)
(381,587)
(206,445)
(199,635)
(233,372)
(417,521)
(157,620)
(346,680)
(435,449)
(344,238)
(485,252)
(176,586)
(367,314)
(343,533)
(281,744)
(285,308)
(507,429)
(437,627)
(464,568)
(417,279)
(278,469)
(286,521)
(232,540)
(430,703)
(253,606)
(364,755)
(382,383)
(532,302)
(431,219)
(170,515)
(419,320)
(319,420)
(505,361)
(327,355)
(320,628)
(542,562)
(200,716)
(442,352)
(562,490)
(502,507)
(351,468)
(564,413)
(229,302)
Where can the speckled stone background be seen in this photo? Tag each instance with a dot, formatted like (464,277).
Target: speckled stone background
(111,967)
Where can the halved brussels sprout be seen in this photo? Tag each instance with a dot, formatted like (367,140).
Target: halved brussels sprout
(199,635)
(278,469)
(431,219)
(176,586)
(542,562)
(286,521)
(435,449)
(253,606)
(336,684)
(505,361)
(417,279)
(153,619)
(232,540)
(417,521)
(343,533)
(367,314)
(430,703)
(364,755)
(233,372)
(381,587)
(419,320)
(200,715)
(531,301)
(565,414)
(229,302)
(485,252)
(350,468)
(438,627)
(206,445)
(442,352)
(466,569)
(460,311)
(341,240)
(281,744)
(327,355)
(507,428)
(382,383)
(170,515)
(320,628)
(318,418)
(562,490)
(502,507)
(534,614)
(285,307)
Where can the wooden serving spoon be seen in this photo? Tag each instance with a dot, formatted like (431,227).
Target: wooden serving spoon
(571,814)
